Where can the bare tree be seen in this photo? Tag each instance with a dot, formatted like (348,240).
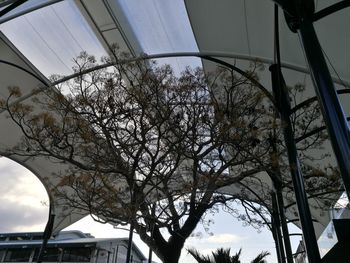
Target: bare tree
(146,147)
(135,135)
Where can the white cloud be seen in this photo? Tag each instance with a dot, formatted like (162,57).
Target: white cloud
(21,199)
(20,186)
(224,238)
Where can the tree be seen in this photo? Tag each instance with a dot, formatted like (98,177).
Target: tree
(135,135)
(222,255)
(146,147)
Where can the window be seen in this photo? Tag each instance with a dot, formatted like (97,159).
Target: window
(20,238)
(2,253)
(18,255)
(76,254)
(37,237)
(50,254)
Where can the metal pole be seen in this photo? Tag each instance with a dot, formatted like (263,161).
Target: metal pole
(277,230)
(274,234)
(153,213)
(285,231)
(47,234)
(282,99)
(128,254)
(276,179)
(150,255)
(116,254)
(332,111)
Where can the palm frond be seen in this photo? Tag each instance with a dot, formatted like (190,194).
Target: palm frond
(261,257)
(199,257)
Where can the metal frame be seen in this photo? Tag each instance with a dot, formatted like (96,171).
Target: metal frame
(282,98)
(28,10)
(300,16)
(47,233)
(330,10)
(198,54)
(309,38)
(12,6)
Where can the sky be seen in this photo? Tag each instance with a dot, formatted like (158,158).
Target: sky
(24,208)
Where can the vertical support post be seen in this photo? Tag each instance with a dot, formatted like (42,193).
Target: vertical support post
(153,213)
(332,111)
(285,231)
(277,229)
(47,234)
(276,179)
(131,232)
(282,99)
(274,233)
(116,254)
(150,255)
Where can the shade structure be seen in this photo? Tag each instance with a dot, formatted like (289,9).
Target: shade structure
(236,31)
(241,31)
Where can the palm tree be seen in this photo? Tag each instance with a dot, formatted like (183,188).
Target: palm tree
(222,255)
(261,257)
(199,257)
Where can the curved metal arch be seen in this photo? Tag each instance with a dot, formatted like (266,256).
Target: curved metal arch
(11,7)
(330,10)
(169,55)
(301,69)
(25,70)
(140,58)
(203,55)
(28,10)
(313,99)
(42,81)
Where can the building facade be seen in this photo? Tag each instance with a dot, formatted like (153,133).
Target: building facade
(66,247)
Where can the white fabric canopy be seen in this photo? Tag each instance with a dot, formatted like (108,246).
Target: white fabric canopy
(239,30)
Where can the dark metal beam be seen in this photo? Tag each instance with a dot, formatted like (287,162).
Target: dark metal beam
(47,234)
(276,228)
(276,177)
(295,10)
(6,3)
(129,249)
(313,132)
(285,231)
(313,99)
(332,111)
(282,100)
(45,83)
(330,10)
(11,7)
(28,10)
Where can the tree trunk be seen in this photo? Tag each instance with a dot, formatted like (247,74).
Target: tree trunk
(170,251)
(173,252)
